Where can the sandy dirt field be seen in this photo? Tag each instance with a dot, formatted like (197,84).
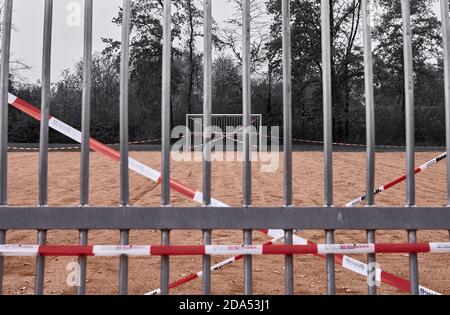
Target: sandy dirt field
(310,276)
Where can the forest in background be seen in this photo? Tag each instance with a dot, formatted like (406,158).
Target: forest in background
(187,73)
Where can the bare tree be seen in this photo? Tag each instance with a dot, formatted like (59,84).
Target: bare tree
(260,33)
(193,30)
(16,65)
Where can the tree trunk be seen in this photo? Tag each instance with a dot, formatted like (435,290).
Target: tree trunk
(191,56)
(333,69)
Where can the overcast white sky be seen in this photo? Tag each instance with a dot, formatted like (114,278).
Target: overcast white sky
(67,41)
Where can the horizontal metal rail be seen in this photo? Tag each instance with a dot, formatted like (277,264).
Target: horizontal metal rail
(142,218)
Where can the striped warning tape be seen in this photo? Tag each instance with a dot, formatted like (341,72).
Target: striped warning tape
(220,250)
(14,148)
(345,261)
(399,180)
(155,176)
(381,146)
(226,136)
(75,147)
(358,145)
(216,267)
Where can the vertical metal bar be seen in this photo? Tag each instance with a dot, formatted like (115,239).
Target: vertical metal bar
(287,130)
(165,264)
(207,238)
(370,132)
(371,262)
(327,102)
(85,134)
(328,131)
(82,262)
(410,135)
(188,132)
(86,106)
(370,104)
(248,261)
(409,103)
(166,104)
(289,265)
(45,104)
(124,154)
(446,44)
(331,282)
(207,106)
(124,79)
(287,101)
(44,130)
(260,128)
(123,271)
(2,241)
(6,48)
(40,266)
(246,94)
(165,163)
(413,265)
(4,83)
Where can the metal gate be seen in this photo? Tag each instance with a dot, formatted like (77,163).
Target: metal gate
(214,214)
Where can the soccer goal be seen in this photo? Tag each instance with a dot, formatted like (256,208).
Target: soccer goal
(228,130)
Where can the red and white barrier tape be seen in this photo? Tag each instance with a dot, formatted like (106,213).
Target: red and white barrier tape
(14,148)
(219,250)
(134,165)
(155,176)
(216,267)
(399,180)
(357,145)
(75,147)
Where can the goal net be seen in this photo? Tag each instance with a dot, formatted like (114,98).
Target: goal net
(228,131)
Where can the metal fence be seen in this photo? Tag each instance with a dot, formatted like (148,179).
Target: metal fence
(215,215)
